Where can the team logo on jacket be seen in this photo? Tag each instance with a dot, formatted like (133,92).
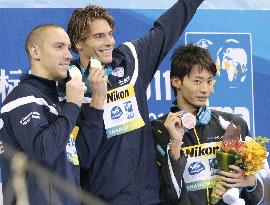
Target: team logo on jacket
(32,115)
(71,150)
(129,110)
(195,168)
(118,72)
(116,112)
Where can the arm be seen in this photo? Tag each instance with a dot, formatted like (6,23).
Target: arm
(254,195)
(252,186)
(31,127)
(90,135)
(172,185)
(91,123)
(36,126)
(152,49)
(171,162)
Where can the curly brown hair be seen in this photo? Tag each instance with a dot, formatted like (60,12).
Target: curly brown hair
(79,23)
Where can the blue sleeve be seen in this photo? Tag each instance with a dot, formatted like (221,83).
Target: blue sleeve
(40,131)
(255,195)
(152,49)
(90,135)
(172,186)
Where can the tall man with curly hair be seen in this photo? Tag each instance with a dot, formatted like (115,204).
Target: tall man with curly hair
(120,157)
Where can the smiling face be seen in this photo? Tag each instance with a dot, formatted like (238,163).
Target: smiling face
(193,91)
(99,42)
(50,57)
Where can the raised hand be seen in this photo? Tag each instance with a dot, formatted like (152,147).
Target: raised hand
(98,82)
(175,128)
(75,90)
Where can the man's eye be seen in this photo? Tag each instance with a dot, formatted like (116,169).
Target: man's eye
(197,82)
(99,36)
(59,46)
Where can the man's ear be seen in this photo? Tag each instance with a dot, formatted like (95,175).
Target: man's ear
(176,83)
(34,51)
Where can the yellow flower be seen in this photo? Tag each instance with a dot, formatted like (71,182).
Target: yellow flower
(254,155)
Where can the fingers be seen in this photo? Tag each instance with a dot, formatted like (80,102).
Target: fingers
(235,172)
(230,180)
(77,83)
(75,90)
(234,178)
(96,73)
(174,126)
(173,119)
(236,169)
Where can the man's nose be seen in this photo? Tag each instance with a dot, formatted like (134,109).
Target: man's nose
(205,87)
(109,40)
(68,54)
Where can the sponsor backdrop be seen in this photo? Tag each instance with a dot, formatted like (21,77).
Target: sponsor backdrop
(235,33)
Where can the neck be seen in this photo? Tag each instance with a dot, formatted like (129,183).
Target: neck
(84,62)
(37,72)
(187,108)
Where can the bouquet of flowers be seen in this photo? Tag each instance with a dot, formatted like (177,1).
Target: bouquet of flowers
(250,155)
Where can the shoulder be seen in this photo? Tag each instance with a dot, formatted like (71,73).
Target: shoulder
(158,128)
(22,99)
(22,90)
(159,122)
(161,135)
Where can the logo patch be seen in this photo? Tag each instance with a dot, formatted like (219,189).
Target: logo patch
(116,112)
(118,72)
(27,118)
(195,168)
(129,110)
(71,151)
(213,164)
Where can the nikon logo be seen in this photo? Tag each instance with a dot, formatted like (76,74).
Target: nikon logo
(200,151)
(115,95)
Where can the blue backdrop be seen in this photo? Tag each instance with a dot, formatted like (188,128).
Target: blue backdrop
(237,39)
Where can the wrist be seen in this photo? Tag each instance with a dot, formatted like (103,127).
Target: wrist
(98,102)
(252,186)
(175,148)
(176,143)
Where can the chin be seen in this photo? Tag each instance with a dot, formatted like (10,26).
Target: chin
(106,61)
(201,104)
(63,76)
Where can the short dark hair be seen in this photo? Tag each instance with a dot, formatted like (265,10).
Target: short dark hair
(78,25)
(36,36)
(185,57)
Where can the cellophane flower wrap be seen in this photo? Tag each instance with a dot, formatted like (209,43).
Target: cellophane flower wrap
(250,155)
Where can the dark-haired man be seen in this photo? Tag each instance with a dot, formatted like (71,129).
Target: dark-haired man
(187,156)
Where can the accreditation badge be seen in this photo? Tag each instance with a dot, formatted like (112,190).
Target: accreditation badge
(121,113)
(71,151)
(201,170)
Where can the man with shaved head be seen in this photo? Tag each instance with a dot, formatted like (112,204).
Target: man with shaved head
(34,122)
